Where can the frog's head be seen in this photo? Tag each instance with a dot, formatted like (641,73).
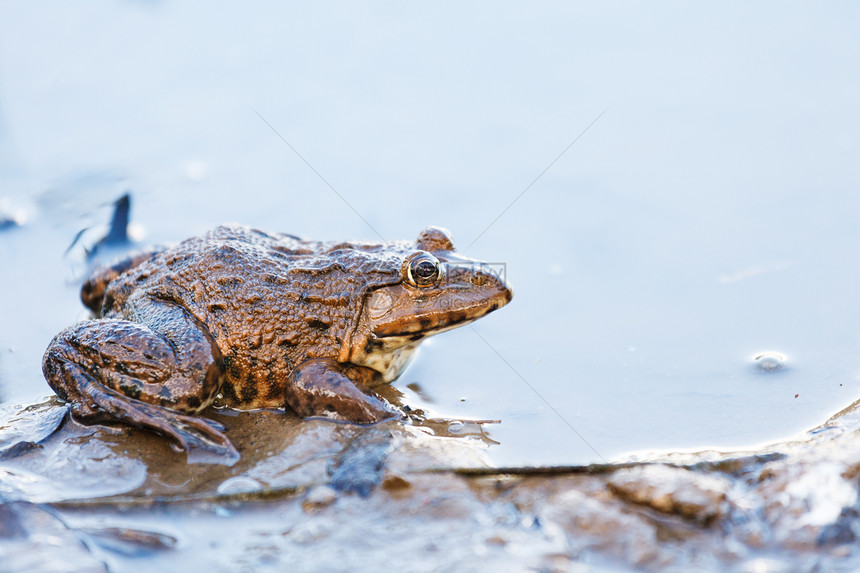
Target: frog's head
(438,289)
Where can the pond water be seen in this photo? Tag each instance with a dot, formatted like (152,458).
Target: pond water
(673,190)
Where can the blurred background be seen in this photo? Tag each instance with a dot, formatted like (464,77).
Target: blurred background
(706,212)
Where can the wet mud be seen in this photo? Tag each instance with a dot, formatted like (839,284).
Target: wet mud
(317,495)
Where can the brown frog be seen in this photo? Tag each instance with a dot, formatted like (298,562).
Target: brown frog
(260,320)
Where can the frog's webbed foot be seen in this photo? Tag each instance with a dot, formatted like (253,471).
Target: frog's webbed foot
(121,371)
(93,403)
(323,387)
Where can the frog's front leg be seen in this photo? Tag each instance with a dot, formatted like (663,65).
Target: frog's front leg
(323,387)
(148,372)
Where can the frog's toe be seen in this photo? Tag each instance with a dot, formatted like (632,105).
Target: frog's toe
(203,440)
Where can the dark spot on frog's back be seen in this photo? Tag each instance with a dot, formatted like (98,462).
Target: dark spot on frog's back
(130,390)
(274,279)
(225,253)
(232,281)
(286,250)
(318,324)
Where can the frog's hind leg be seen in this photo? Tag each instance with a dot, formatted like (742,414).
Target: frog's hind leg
(113,370)
(93,290)
(93,403)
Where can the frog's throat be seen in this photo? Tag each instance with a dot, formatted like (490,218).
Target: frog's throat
(387,355)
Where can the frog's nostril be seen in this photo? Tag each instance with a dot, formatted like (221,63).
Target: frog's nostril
(479,279)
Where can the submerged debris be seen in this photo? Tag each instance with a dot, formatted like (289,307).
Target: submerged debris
(117,235)
(359,467)
(11,215)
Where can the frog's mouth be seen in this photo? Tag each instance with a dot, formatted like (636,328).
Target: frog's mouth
(413,327)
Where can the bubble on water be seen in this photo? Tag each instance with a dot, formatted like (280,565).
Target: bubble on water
(239,484)
(769,361)
(318,497)
(456,428)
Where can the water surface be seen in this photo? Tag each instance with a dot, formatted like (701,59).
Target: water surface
(708,215)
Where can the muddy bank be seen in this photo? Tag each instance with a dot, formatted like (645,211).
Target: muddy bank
(324,496)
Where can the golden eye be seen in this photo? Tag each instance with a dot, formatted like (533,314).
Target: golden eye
(424,270)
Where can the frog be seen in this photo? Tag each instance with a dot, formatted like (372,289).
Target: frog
(248,319)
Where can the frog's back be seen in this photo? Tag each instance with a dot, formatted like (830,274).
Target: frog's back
(269,301)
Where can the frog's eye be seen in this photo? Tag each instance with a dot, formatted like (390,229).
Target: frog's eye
(424,270)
